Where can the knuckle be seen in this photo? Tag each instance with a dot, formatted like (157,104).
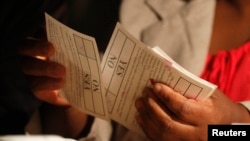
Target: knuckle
(55,70)
(167,125)
(185,109)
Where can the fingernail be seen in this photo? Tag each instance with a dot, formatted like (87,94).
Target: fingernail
(152,81)
(157,87)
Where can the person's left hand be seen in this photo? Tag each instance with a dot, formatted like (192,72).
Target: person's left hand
(44,77)
(167,115)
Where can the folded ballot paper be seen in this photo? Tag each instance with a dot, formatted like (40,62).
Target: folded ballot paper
(108,89)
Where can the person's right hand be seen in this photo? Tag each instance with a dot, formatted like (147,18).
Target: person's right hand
(44,77)
(167,115)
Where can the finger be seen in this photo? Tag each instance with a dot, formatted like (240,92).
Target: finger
(143,116)
(51,97)
(151,116)
(152,107)
(37,67)
(38,84)
(155,122)
(35,47)
(178,104)
(148,95)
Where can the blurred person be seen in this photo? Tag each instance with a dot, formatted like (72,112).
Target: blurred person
(24,34)
(187,38)
(18,20)
(167,115)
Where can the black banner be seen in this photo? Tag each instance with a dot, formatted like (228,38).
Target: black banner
(240,132)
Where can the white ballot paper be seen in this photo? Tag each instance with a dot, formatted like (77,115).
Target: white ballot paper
(129,65)
(109,90)
(79,54)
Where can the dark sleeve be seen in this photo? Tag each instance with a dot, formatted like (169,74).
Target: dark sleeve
(96,18)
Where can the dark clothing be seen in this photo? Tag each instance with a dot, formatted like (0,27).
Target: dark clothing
(96,18)
(18,20)
(22,18)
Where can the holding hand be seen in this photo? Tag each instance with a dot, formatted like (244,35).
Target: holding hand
(167,115)
(44,77)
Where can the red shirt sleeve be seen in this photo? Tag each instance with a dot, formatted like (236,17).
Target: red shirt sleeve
(229,70)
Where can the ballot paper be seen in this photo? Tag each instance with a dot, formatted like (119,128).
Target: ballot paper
(79,54)
(109,89)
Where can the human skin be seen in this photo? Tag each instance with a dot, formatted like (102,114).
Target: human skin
(169,118)
(45,78)
(167,115)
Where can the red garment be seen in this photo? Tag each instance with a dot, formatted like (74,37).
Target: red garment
(229,70)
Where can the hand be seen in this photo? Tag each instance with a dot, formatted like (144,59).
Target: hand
(44,77)
(167,115)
